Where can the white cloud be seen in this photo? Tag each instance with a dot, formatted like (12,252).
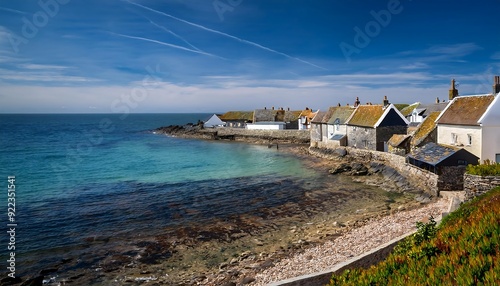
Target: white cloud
(414,66)
(42,67)
(455,49)
(169,97)
(43,76)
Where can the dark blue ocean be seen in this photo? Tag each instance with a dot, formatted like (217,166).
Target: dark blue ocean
(82,177)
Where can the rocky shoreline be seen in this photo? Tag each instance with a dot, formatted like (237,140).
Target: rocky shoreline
(339,239)
(362,205)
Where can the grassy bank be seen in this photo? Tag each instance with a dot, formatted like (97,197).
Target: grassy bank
(463,250)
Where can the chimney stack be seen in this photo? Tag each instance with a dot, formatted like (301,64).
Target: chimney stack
(357,102)
(496,85)
(386,101)
(453,92)
(272,108)
(338,104)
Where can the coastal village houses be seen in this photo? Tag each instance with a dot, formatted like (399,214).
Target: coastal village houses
(237,119)
(360,126)
(305,118)
(274,119)
(371,126)
(330,127)
(472,123)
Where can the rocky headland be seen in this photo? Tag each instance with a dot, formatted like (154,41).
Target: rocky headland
(269,137)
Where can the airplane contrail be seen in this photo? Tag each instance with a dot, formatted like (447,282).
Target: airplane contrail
(13,10)
(165,44)
(174,34)
(225,34)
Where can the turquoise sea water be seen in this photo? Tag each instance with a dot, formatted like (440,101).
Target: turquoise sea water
(102,175)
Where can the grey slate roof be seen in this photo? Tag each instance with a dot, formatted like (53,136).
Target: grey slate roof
(433,153)
(319,117)
(430,108)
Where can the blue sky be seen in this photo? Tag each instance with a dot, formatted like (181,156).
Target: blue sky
(217,55)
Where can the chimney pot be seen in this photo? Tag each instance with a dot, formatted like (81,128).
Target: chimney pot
(272,108)
(496,84)
(453,92)
(357,102)
(437,99)
(386,101)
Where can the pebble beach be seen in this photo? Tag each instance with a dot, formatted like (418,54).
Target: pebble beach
(353,243)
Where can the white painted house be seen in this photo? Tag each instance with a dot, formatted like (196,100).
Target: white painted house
(490,124)
(472,122)
(214,121)
(266,125)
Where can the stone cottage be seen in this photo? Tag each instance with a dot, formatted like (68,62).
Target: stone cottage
(371,126)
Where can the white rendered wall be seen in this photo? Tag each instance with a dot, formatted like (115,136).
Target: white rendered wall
(445,137)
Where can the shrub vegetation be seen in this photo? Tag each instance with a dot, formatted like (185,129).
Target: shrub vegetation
(488,168)
(463,250)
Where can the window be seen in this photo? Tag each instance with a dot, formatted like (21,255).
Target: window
(462,163)
(454,138)
(365,143)
(497,158)
(469,139)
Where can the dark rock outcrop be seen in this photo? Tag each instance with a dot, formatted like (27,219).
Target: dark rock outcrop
(352,169)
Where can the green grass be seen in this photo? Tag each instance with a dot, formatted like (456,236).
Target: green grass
(463,250)
(488,168)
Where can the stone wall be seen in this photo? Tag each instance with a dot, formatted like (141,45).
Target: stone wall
(330,144)
(385,133)
(478,185)
(315,134)
(451,178)
(293,136)
(361,137)
(419,178)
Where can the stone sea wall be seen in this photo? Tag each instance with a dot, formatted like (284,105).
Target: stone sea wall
(237,134)
(419,178)
(478,185)
(293,136)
